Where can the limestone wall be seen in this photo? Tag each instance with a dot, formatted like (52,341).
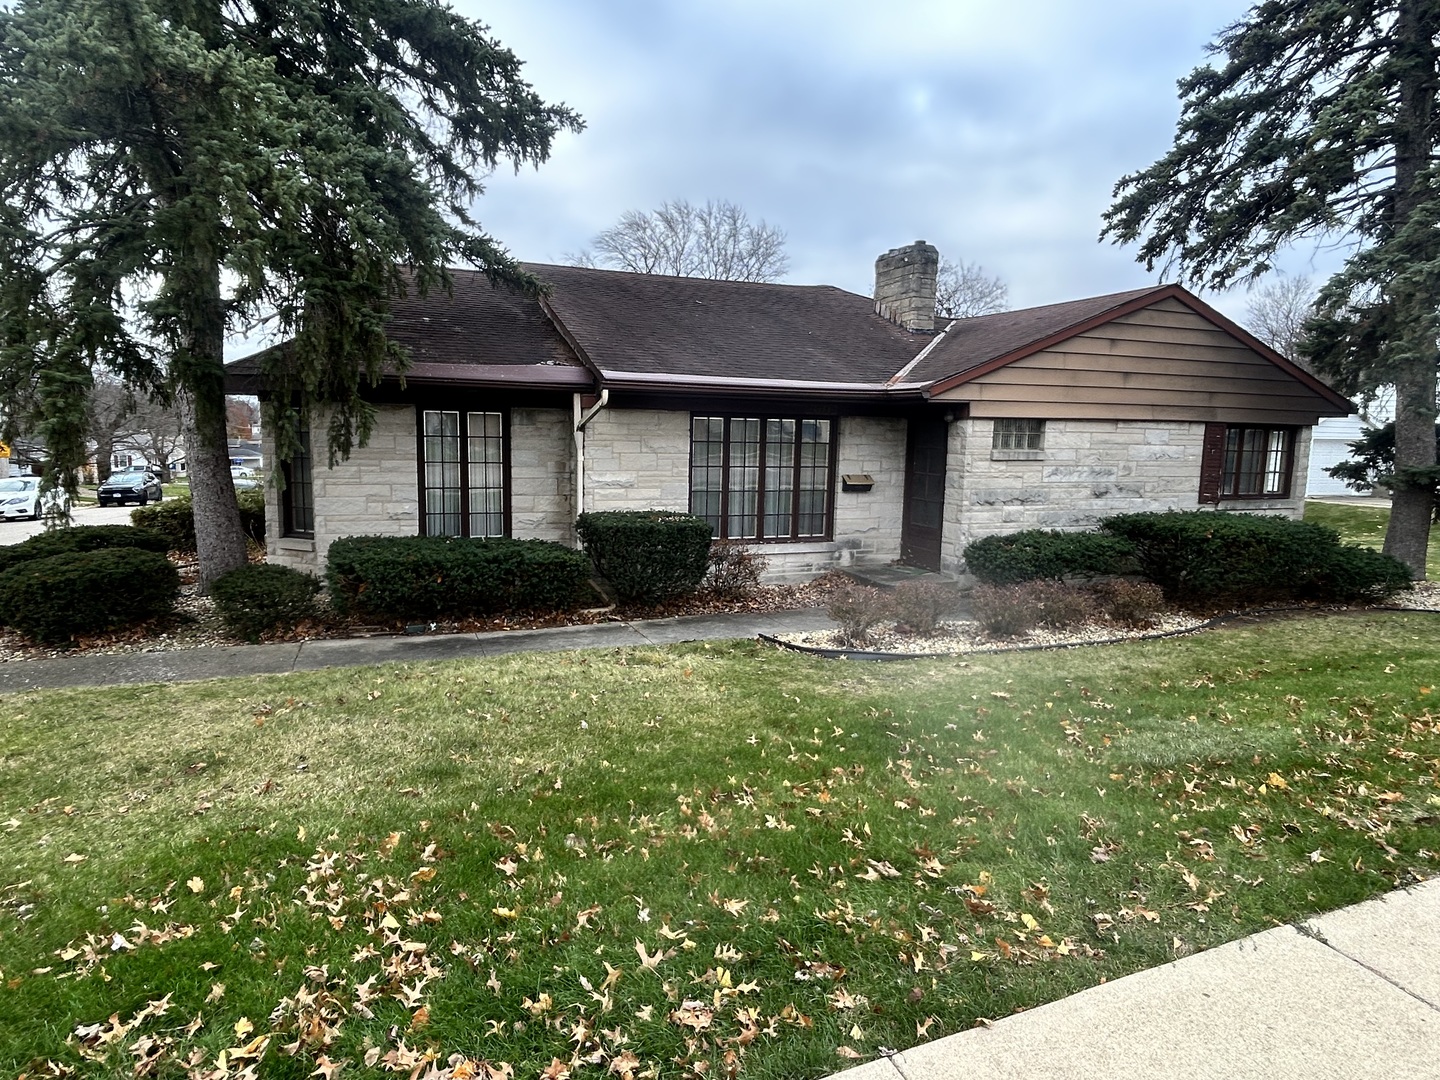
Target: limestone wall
(1088,470)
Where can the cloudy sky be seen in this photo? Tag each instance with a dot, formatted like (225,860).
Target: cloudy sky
(994,130)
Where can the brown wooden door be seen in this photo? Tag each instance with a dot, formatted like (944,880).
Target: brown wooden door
(924,520)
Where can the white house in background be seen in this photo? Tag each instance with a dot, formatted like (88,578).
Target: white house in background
(1331,439)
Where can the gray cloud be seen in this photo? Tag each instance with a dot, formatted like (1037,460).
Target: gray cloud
(994,131)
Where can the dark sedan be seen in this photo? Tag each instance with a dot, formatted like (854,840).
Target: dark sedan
(131,485)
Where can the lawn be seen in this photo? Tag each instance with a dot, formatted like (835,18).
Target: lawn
(707,860)
(1366,525)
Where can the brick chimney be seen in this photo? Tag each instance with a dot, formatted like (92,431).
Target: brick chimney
(905,285)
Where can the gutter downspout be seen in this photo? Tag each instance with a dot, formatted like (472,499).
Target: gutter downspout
(581,420)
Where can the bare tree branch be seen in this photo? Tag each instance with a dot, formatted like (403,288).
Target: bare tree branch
(716,240)
(1276,314)
(964,290)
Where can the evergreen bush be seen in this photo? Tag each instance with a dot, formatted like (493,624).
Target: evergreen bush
(78,538)
(87,592)
(647,555)
(427,577)
(260,597)
(1040,554)
(1204,557)
(175,518)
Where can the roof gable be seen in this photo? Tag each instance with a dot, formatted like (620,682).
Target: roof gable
(1166,356)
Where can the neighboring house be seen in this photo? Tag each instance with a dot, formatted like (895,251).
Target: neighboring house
(1330,444)
(824,428)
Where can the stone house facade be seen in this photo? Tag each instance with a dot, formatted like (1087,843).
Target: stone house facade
(822,428)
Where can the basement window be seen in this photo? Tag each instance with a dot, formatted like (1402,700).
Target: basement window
(1018,440)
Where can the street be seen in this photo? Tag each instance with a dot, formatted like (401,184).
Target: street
(12,532)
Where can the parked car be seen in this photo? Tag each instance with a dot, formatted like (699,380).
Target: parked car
(20,498)
(130,485)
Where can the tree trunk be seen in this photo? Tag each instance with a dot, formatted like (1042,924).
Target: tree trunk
(219,538)
(1411,507)
(1408,534)
(104,455)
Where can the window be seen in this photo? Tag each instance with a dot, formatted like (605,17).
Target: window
(297,501)
(761,478)
(1242,462)
(1017,439)
(462,459)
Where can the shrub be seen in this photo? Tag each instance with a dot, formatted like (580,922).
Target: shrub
(857,608)
(647,555)
(424,577)
(80,538)
(1007,611)
(735,570)
(87,592)
(1205,557)
(1038,554)
(1129,603)
(1358,574)
(254,599)
(921,605)
(175,518)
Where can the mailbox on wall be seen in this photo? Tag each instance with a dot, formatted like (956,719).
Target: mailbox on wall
(856,481)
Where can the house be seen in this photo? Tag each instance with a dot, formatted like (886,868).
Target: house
(824,428)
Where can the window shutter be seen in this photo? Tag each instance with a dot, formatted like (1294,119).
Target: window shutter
(1212,463)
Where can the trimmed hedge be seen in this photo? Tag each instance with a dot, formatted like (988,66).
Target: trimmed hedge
(254,599)
(426,577)
(1038,554)
(87,592)
(80,538)
(647,555)
(1205,556)
(175,518)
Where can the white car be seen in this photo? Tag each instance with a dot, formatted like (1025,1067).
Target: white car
(20,498)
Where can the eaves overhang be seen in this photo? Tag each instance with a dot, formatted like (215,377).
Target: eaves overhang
(718,384)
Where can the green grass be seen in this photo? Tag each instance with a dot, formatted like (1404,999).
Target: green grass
(712,855)
(1366,525)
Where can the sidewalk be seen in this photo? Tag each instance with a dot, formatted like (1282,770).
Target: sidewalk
(1353,993)
(185,665)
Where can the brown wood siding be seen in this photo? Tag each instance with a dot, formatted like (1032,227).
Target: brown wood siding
(1163,362)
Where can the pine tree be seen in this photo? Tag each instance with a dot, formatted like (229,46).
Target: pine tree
(174,170)
(1319,122)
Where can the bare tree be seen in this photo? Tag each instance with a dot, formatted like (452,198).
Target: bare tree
(110,407)
(964,290)
(717,240)
(153,432)
(1276,314)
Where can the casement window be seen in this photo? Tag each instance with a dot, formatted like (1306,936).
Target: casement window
(463,473)
(1017,440)
(1246,462)
(762,478)
(297,500)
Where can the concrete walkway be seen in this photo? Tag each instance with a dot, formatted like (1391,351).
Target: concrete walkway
(184,665)
(1350,994)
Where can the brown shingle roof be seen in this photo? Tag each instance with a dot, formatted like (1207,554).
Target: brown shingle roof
(478,324)
(648,324)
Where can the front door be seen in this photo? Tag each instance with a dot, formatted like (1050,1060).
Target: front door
(924,493)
